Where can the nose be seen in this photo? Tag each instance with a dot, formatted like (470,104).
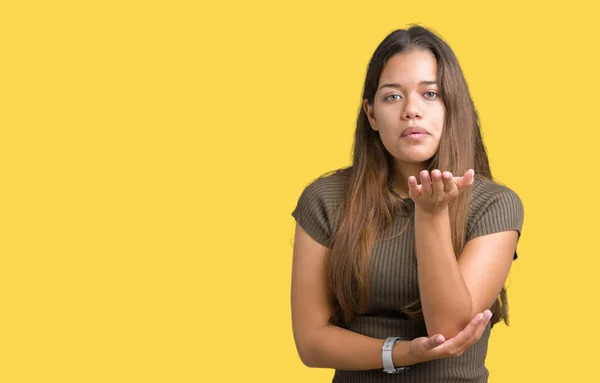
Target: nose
(411,109)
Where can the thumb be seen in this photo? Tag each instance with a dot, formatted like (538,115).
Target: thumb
(466,180)
(434,341)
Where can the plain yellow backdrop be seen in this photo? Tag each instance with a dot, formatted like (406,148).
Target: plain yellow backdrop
(152,152)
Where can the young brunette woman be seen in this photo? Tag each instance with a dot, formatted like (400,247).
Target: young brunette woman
(400,259)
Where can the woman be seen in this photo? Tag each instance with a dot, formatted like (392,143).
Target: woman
(400,260)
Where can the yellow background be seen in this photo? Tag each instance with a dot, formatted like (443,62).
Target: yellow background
(152,152)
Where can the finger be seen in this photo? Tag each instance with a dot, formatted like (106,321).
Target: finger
(413,188)
(466,180)
(448,180)
(464,336)
(436,182)
(425,183)
(487,315)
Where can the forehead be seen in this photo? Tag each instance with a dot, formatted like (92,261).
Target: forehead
(410,68)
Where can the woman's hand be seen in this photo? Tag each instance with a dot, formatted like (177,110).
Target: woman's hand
(438,189)
(436,347)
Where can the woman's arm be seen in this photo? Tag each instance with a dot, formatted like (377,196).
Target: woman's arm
(321,344)
(453,291)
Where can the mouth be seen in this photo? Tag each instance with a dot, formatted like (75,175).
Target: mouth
(414,132)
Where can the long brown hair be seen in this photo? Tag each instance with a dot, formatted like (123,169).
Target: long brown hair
(371,204)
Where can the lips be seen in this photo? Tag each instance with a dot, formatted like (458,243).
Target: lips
(413,130)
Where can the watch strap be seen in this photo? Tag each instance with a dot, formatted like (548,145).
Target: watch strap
(386,355)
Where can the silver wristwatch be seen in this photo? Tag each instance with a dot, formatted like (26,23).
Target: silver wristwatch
(386,355)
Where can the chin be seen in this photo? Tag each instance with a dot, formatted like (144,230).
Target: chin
(415,158)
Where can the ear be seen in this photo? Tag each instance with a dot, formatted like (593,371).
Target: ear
(370,114)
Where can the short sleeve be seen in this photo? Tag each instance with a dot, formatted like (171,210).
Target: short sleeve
(495,208)
(316,208)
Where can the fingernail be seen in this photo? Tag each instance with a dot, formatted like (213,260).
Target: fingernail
(488,314)
(425,176)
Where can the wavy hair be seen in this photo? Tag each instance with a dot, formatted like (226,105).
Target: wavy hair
(371,204)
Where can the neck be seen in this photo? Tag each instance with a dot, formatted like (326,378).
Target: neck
(401,174)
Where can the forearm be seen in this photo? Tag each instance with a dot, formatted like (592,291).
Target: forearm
(445,298)
(338,348)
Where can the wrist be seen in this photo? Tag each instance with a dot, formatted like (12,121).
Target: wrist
(432,213)
(402,354)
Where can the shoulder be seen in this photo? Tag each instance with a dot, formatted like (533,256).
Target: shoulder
(485,192)
(493,207)
(330,186)
(318,205)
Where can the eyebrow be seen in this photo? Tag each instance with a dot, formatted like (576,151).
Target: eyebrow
(398,86)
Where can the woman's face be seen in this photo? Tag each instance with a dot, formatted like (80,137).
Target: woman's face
(408,111)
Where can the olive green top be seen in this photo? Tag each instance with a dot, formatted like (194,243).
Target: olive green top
(493,208)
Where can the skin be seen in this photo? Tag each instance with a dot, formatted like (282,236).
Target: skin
(321,344)
(408,95)
(455,295)
(451,292)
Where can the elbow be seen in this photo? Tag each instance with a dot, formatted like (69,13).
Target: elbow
(306,353)
(447,330)
(308,362)
(306,358)
(449,327)
(311,347)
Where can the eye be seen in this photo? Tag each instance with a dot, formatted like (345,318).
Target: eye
(430,95)
(389,98)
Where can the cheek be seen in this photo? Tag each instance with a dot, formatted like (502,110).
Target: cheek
(438,120)
(388,139)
